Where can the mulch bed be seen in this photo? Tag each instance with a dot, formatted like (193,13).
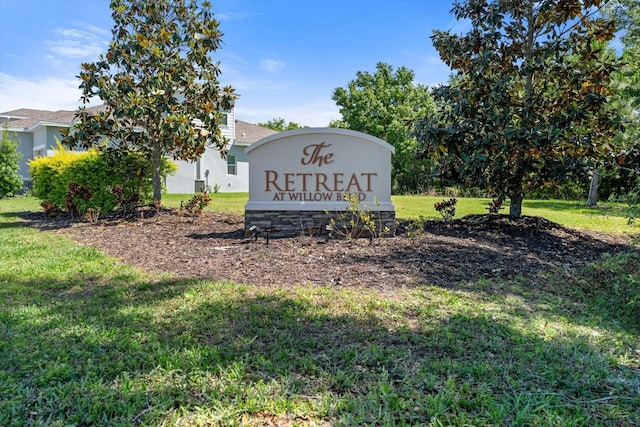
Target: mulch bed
(214,246)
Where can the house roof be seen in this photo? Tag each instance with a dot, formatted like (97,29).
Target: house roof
(27,119)
(248,133)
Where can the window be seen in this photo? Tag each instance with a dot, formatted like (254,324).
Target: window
(231,165)
(224,119)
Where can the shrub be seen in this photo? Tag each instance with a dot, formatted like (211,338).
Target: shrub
(78,197)
(633,199)
(416,227)
(51,176)
(101,179)
(10,179)
(50,209)
(570,190)
(495,206)
(196,204)
(356,220)
(446,208)
(124,200)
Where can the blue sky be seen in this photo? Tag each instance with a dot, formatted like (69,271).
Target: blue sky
(284,57)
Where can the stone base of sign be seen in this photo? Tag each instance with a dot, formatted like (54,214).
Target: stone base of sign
(309,223)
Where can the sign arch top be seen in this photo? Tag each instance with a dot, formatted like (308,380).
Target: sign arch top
(348,133)
(310,169)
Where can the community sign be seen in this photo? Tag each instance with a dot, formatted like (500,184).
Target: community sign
(312,169)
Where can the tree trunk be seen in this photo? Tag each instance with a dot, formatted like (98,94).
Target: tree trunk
(516,192)
(515,196)
(515,207)
(157,165)
(593,188)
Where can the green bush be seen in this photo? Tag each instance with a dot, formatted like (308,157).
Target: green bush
(114,178)
(570,190)
(620,184)
(10,179)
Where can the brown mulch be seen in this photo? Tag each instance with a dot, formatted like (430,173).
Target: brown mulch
(214,246)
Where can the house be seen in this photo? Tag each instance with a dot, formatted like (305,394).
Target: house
(38,130)
(214,173)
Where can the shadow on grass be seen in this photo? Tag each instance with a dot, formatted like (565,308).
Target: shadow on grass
(13,220)
(496,256)
(448,255)
(6,225)
(161,352)
(574,207)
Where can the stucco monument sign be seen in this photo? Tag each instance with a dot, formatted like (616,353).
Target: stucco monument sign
(299,178)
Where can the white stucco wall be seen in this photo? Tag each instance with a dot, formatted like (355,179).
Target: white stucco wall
(184,181)
(40,139)
(218,170)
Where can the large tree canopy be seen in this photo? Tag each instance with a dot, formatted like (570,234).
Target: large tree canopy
(526,104)
(279,125)
(622,164)
(627,100)
(158,82)
(382,104)
(627,12)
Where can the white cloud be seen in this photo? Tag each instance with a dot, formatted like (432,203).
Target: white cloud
(229,16)
(271,65)
(70,32)
(52,60)
(237,72)
(315,113)
(263,98)
(79,43)
(74,49)
(46,93)
(100,32)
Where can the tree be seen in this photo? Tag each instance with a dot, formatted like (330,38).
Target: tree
(10,179)
(620,170)
(623,173)
(158,82)
(627,13)
(279,125)
(527,105)
(385,104)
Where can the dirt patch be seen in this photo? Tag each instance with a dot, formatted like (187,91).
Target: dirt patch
(214,246)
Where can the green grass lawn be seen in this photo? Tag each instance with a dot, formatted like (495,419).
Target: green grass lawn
(608,217)
(86,340)
(220,202)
